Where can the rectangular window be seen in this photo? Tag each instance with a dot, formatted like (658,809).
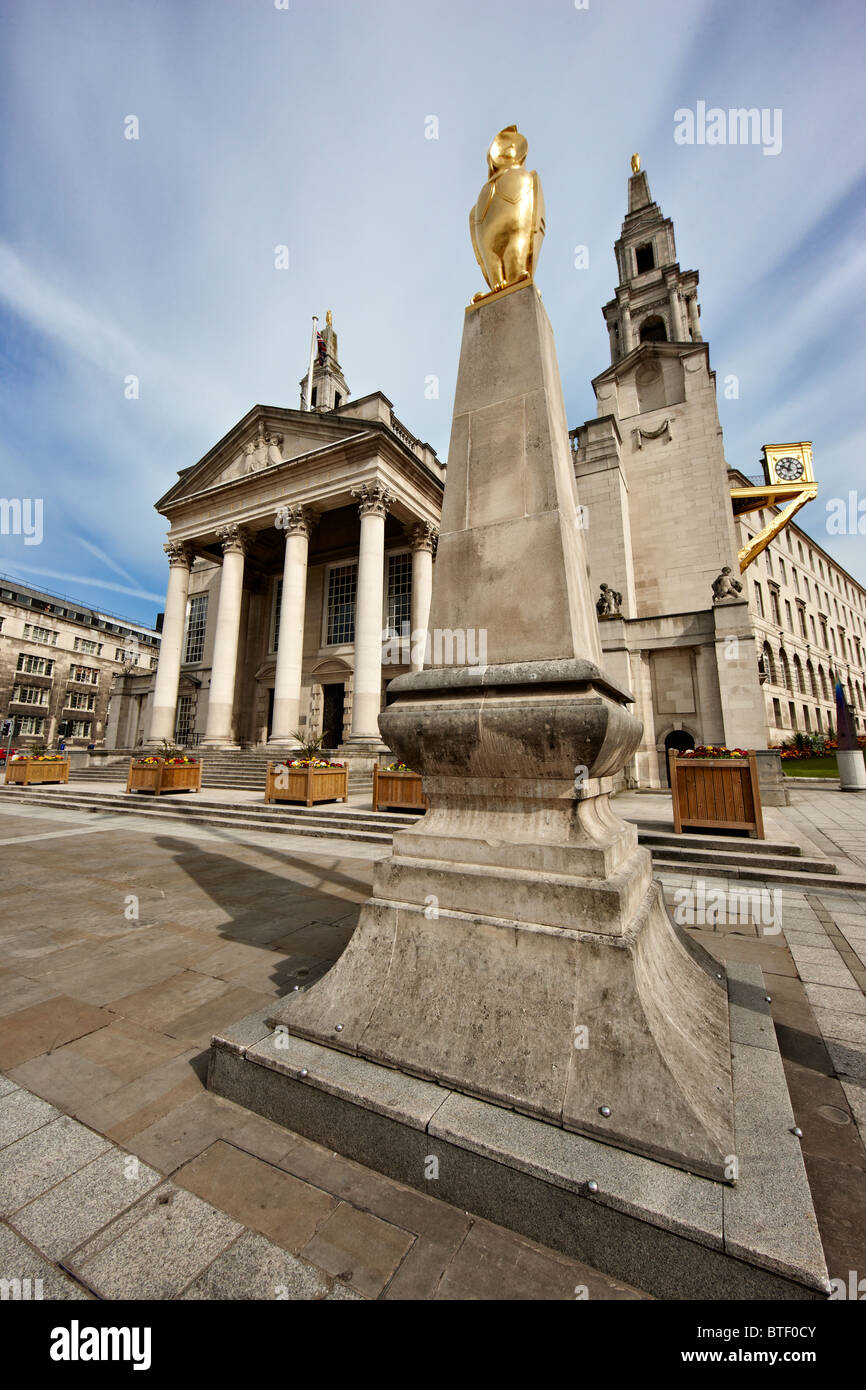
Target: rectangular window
(782,571)
(185,716)
(79,728)
(195,628)
(30,724)
(278,599)
(644,258)
(803,629)
(84,644)
(788,618)
(30,695)
(80,699)
(84,675)
(342,588)
(399,607)
(759,600)
(35,665)
(40,634)
(774,600)
(126,655)
(154,662)
(777,714)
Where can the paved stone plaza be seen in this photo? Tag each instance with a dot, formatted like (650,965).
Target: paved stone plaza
(106,1018)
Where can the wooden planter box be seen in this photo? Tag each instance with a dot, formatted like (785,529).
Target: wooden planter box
(401,791)
(307,784)
(27,770)
(716,793)
(163,777)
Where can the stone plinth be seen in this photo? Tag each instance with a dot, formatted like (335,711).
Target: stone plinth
(516,947)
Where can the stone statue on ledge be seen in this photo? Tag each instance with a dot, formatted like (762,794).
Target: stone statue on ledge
(608,602)
(725,587)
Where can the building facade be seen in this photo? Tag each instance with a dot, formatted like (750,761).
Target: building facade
(59,663)
(304,541)
(655,488)
(300,546)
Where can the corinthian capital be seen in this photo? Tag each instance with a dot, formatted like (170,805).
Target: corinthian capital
(233,539)
(373,500)
(424,536)
(296,520)
(178,554)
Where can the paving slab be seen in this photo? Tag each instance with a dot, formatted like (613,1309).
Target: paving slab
(259,1195)
(361,1249)
(255,1268)
(82,1204)
(488,1267)
(155,1248)
(18,1260)
(42,1027)
(21,1113)
(44,1157)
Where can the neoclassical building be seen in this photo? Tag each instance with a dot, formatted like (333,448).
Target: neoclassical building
(304,541)
(299,545)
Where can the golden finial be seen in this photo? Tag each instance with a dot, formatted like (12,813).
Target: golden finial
(635,163)
(329,319)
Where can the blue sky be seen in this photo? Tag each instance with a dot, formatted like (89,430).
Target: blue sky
(305,126)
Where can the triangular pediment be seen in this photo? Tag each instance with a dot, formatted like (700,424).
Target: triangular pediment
(263,438)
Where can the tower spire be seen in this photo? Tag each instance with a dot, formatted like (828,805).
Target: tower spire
(329,388)
(655,300)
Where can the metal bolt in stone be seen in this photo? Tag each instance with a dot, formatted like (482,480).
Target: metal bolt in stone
(768,999)
(592,1186)
(797,1131)
(604,1110)
(338,1028)
(304,1071)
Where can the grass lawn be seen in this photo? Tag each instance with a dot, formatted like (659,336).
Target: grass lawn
(811,767)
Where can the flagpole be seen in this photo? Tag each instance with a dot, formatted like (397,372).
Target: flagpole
(308,403)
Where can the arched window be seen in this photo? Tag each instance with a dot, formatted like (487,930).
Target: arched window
(811,686)
(786,669)
(770,664)
(822,676)
(653,330)
(798,676)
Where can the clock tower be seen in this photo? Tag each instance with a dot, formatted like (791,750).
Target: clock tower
(653,482)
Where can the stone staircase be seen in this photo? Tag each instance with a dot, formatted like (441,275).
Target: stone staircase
(708,856)
(241,770)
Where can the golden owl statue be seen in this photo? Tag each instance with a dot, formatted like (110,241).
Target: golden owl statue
(507,222)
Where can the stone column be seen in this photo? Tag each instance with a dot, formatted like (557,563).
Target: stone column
(424,537)
(164,709)
(218,732)
(694,321)
(373,505)
(298,523)
(677,327)
(627,330)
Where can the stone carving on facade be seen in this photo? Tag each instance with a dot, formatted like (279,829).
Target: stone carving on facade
(373,500)
(233,539)
(608,603)
(663,432)
(425,536)
(725,586)
(263,441)
(296,520)
(178,553)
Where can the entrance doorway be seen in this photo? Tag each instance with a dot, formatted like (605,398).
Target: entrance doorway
(270,710)
(333,709)
(679,739)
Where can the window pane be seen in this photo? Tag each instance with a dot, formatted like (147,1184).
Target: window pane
(196,628)
(342,587)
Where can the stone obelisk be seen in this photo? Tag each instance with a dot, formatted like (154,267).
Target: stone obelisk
(516,946)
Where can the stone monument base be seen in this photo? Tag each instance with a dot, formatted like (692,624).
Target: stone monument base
(673,1233)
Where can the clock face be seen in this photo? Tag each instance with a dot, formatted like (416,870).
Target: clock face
(789,469)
